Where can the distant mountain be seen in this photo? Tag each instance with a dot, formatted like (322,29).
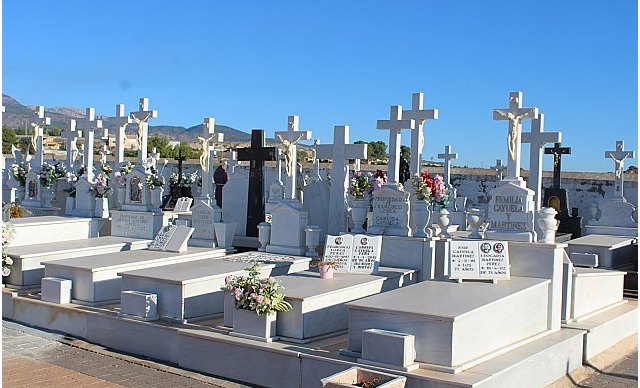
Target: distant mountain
(17,116)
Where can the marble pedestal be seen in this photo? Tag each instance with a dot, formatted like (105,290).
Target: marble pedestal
(28,269)
(194,289)
(456,325)
(95,278)
(612,251)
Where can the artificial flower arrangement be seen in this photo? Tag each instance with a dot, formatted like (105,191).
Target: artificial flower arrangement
(359,185)
(187,179)
(20,172)
(378,180)
(7,236)
(153,181)
(72,179)
(59,170)
(119,178)
(106,170)
(431,189)
(126,168)
(99,188)
(264,296)
(17,211)
(47,175)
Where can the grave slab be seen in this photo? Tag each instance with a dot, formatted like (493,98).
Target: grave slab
(612,251)
(193,289)
(45,229)
(594,290)
(138,224)
(27,260)
(95,279)
(446,320)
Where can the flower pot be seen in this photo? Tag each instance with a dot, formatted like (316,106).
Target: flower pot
(358,377)
(421,214)
(69,205)
(443,222)
(548,223)
(102,208)
(359,209)
(224,233)
(156,197)
(248,323)
(326,271)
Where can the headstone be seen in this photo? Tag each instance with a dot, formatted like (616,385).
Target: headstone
(119,124)
(71,137)
(175,190)
(257,154)
(85,202)
(234,197)
(390,212)
(394,125)
(511,214)
(38,126)
(479,260)
(171,238)
(90,125)
(318,194)
(339,249)
(448,156)
(538,139)
(618,156)
(289,139)
(499,169)
(203,218)
(183,204)
(287,229)
(137,195)
(420,115)
(339,152)
(141,119)
(354,253)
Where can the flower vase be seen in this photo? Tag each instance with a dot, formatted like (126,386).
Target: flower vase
(70,204)
(443,222)
(359,210)
(249,323)
(156,197)
(326,271)
(102,208)
(224,234)
(548,223)
(421,214)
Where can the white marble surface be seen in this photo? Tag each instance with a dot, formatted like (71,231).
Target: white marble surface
(46,229)
(593,290)
(612,251)
(140,224)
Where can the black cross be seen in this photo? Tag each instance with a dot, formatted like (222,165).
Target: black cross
(180,159)
(557,153)
(257,154)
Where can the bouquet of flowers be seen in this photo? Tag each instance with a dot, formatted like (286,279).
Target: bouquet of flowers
(264,296)
(59,170)
(431,189)
(187,179)
(153,181)
(99,188)
(72,179)
(106,170)
(120,179)
(17,211)
(378,180)
(20,172)
(359,185)
(47,175)
(126,168)
(7,236)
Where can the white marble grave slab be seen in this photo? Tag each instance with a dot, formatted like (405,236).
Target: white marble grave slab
(28,269)
(95,279)
(511,213)
(317,195)
(612,251)
(448,319)
(45,229)
(594,290)
(203,218)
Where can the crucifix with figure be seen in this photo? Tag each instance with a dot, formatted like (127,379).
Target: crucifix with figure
(394,125)
(538,138)
(257,154)
(71,137)
(557,151)
(514,114)
(208,141)
(290,139)
(141,119)
(420,115)
(618,156)
(36,141)
(90,126)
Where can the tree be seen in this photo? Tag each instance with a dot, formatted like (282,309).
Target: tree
(187,151)
(405,153)
(54,132)
(161,144)
(9,138)
(376,150)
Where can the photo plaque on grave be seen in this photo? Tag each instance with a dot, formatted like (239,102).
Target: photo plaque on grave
(479,260)
(354,253)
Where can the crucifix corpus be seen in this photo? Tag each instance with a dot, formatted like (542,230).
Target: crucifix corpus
(141,119)
(618,156)
(207,142)
(290,139)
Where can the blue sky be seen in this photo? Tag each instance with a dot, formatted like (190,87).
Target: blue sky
(250,64)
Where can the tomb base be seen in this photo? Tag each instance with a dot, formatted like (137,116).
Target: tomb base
(612,251)
(595,290)
(138,224)
(36,211)
(49,229)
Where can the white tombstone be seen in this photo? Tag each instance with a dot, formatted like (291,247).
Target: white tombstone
(141,119)
(420,115)
(394,125)
(339,152)
(32,192)
(447,157)
(85,202)
(288,236)
(119,124)
(71,137)
(234,196)
(618,156)
(318,194)
(90,125)
(511,213)
(538,139)
(203,217)
(289,139)
(38,126)
(137,194)
(390,212)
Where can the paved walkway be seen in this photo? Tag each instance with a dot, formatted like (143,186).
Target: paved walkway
(622,374)
(34,358)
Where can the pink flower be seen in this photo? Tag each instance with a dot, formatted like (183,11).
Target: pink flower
(253,295)
(260,299)
(237,293)
(271,279)
(6,271)
(8,261)
(228,279)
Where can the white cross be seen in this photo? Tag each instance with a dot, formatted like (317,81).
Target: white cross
(103,153)
(514,114)
(232,162)
(618,156)
(447,156)
(72,136)
(499,169)
(340,152)
(538,138)
(141,118)
(38,126)
(207,141)
(91,124)
(420,115)
(290,139)
(394,125)
(119,123)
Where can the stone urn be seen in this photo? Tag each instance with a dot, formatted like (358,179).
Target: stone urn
(264,235)
(421,212)
(69,205)
(548,224)
(359,209)
(326,271)
(156,197)
(474,219)
(247,323)
(443,222)
(102,208)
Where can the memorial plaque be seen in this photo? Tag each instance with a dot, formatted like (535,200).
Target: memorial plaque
(366,254)
(390,212)
(339,249)
(479,260)
(171,238)
(125,224)
(202,219)
(183,204)
(161,240)
(511,213)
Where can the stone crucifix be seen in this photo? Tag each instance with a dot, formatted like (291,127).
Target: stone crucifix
(207,142)
(340,152)
(618,156)
(119,124)
(499,169)
(394,125)
(71,137)
(141,119)
(90,125)
(538,138)
(447,157)
(38,132)
(290,139)
(514,114)
(420,115)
